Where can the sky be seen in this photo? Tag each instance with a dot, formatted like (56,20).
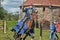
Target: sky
(12,5)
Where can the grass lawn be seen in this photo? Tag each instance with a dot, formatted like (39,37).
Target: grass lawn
(9,34)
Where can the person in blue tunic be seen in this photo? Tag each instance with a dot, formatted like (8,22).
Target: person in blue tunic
(53,31)
(27,15)
(23,23)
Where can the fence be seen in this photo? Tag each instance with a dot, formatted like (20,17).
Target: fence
(3,25)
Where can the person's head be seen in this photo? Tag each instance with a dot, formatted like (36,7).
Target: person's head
(54,22)
(31,5)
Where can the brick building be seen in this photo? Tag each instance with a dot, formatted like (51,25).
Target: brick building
(49,10)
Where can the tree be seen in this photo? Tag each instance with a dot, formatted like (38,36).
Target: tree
(1,13)
(7,16)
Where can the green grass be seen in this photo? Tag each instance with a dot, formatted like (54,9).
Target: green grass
(9,34)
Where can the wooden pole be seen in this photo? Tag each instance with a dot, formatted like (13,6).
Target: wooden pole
(5,26)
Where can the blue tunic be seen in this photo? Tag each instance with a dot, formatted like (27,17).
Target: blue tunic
(27,12)
(53,27)
(17,26)
(52,32)
(24,29)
